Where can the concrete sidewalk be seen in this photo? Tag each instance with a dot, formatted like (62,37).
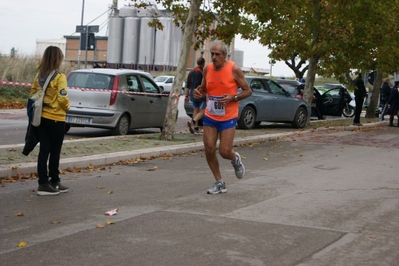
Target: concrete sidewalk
(327,197)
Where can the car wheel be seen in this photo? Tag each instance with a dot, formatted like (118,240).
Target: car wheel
(247,119)
(67,128)
(122,127)
(348,111)
(300,118)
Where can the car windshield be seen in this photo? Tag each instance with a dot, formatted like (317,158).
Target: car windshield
(160,79)
(90,80)
(288,87)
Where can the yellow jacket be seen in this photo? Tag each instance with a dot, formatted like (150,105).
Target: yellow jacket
(56,101)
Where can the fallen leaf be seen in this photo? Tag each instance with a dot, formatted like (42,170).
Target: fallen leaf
(55,222)
(100,187)
(110,222)
(20,214)
(153,169)
(111,192)
(100,226)
(265,159)
(22,244)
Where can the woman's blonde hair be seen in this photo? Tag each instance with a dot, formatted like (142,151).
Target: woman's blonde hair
(51,60)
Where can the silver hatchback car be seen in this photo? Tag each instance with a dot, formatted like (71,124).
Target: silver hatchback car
(118,99)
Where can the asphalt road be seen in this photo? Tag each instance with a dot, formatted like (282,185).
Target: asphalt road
(321,198)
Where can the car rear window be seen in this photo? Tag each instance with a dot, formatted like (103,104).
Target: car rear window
(90,80)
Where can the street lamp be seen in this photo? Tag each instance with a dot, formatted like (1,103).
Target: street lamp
(271,66)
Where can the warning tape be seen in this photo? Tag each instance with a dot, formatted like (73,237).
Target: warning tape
(91,89)
(15,83)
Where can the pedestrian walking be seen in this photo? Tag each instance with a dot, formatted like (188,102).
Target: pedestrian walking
(360,93)
(220,85)
(385,93)
(393,102)
(194,79)
(52,124)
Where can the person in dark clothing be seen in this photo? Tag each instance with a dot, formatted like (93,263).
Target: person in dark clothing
(194,79)
(385,92)
(360,93)
(393,101)
(52,126)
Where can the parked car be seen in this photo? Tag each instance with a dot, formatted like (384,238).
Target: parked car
(289,85)
(296,89)
(328,100)
(166,83)
(335,100)
(269,103)
(118,99)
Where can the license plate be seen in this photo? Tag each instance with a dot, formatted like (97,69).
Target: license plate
(78,120)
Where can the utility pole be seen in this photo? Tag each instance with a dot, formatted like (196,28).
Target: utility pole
(80,39)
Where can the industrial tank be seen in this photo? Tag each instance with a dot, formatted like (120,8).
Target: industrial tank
(149,11)
(115,41)
(131,35)
(175,46)
(162,43)
(128,11)
(146,44)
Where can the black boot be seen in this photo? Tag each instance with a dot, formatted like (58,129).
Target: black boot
(391,121)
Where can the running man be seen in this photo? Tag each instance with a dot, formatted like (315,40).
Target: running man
(220,84)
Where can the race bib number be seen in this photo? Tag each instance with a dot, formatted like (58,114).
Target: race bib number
(214,107)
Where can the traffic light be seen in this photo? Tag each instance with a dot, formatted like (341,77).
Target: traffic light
(91,41)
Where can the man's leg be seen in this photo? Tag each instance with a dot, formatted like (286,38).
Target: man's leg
(210,138)
(193,123)
(200,114)
(226,144)
(227,152)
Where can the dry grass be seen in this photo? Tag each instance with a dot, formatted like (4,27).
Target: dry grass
(18,69)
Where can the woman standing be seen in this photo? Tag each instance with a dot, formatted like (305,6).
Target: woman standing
(52,126)
(360,93)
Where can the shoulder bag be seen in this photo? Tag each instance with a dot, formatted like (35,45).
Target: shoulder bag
(37,102)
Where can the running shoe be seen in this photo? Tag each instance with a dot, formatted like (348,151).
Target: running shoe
(218,187)
(238,166)
(190,125)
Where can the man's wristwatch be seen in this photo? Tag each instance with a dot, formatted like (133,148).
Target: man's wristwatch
(235,97)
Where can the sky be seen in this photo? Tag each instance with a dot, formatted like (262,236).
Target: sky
(23,22)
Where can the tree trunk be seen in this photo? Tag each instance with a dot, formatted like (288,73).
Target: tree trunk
(174,96)
(370,112)
(309,81)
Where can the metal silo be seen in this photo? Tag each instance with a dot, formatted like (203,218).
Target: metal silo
(128,11)
(131,35)
(115,41)
(146,44)
(162,43)
(175,46)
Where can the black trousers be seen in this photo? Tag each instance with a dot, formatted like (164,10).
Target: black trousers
(358,108)
(51,136)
